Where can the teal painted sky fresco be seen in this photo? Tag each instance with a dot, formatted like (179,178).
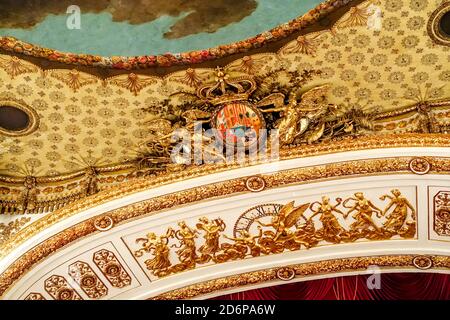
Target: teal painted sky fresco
(99,35)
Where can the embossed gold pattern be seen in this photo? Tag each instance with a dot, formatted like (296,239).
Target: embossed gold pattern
(59,289)
(88,281)
(441,213)
(111,268)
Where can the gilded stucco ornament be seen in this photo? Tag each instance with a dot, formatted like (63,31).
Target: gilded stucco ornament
(290,228)
(441,213)
(286,273)
(422,262)
(255,184)
(104,223)
(238,106)
(152,206)
(419,166)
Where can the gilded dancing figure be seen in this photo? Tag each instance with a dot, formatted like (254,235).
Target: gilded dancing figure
(364,224)
(395,222)
(331,230)
(158,246)
(212,231)
(187,252)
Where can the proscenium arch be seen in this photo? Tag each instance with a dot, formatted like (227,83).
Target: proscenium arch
(50,245)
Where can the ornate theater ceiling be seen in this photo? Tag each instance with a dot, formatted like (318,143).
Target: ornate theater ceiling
(347,76)
(127,28)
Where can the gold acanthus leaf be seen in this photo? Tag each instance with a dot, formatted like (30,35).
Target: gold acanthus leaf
(133,82)
(14,66)
(73,78)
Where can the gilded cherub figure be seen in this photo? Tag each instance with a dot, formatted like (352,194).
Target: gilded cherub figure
(396,220)
(298,115)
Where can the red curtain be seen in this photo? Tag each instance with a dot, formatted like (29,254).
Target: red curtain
(395,286)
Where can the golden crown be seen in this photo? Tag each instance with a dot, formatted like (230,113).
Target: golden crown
(226,89)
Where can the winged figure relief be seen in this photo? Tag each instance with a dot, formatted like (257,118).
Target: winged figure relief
(298,114)
(286,218)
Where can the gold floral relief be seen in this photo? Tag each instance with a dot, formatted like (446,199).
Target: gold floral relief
(60,289)
(441,213)
(83,274)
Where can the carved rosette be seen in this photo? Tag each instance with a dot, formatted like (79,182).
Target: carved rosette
(59,289)
(420,166)
(286,274)
(255,184)
(104,223)
(88,281)
(441,214)
(111,268)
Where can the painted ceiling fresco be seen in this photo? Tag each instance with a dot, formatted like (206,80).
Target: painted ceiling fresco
(138,27)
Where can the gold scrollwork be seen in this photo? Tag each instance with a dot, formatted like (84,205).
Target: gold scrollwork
(286,273)
(82,273)
(111,268)
(285,231)
(58,287)
(441,213)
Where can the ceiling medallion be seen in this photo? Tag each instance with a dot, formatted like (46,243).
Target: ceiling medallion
(439,25)
(419,166)
(17,118)
(422,262)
